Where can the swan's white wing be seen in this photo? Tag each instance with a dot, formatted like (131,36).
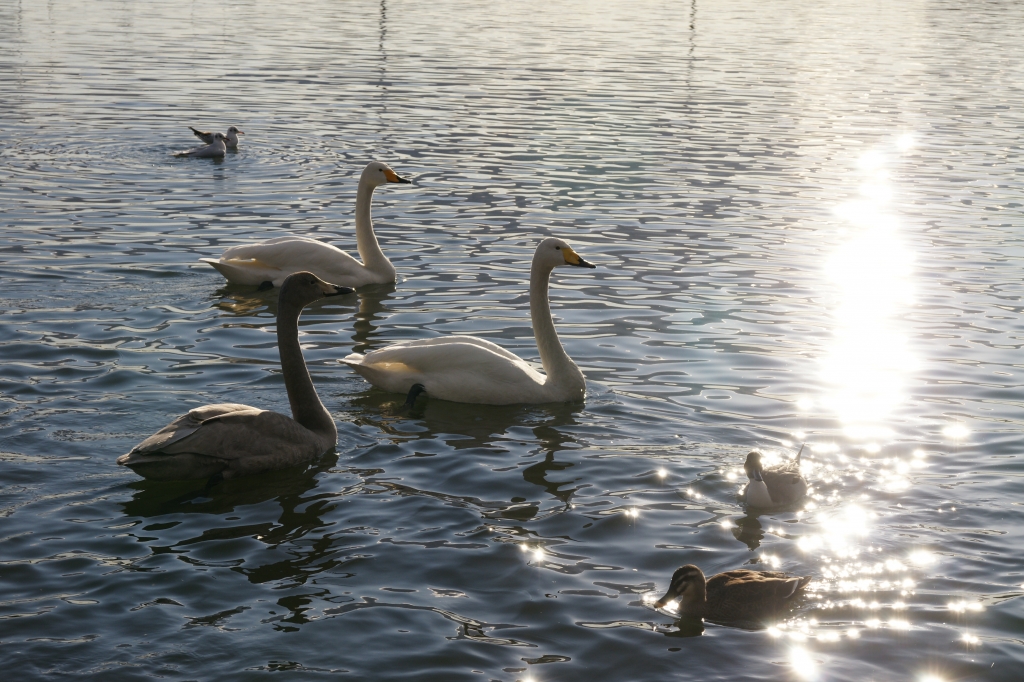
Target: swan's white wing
(461,369)
(275,259)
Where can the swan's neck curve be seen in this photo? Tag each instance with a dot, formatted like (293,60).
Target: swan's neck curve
(306,406)
(561,370)
(366,241)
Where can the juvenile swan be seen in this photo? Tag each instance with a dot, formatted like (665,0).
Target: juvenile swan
(235,440)
(273,260)
(734,596)
(231,139)
(779,486)
(467,369)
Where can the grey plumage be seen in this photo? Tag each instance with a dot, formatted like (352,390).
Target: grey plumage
(232,439)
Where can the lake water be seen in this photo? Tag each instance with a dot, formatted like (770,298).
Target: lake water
(807,222)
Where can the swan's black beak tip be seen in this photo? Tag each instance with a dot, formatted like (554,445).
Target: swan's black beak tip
(340,290)
(405,181)
(585,264)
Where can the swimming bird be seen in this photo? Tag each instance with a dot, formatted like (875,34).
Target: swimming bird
(215,148)
(734,596)
(231,137)
(268,263)
(467,369)
(229,439)
(779,486)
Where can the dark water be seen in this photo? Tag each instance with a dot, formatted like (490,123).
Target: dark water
(807,221)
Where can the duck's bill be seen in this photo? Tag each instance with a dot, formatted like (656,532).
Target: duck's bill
(334,289)
(660,604)
(392,176)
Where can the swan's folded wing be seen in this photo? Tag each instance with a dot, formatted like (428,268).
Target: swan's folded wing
(247,434)
(451,342)
(186,425)
(288,252)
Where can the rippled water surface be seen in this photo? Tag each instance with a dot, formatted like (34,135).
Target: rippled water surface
(806,218)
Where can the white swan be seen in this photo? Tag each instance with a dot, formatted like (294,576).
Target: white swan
(231,139)
(215,148)
(467,369)
(273,260)
(229,439)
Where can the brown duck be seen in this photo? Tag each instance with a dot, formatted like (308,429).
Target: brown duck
(738,597)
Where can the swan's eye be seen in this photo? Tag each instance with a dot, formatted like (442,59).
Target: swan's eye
(558,248)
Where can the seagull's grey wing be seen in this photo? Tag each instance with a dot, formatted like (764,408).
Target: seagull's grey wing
(203,135)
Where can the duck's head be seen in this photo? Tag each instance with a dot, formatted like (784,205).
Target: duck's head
(302,288)
(553,252)
(235,130)
(687,584)
(753,466)
(378,173)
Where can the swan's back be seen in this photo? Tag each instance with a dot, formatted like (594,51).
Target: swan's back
(273,260)
(227,438)
(456,368)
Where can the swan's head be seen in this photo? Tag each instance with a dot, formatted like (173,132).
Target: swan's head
(302,288)
(687,583)
(235,130)
(378,173)
(753,466)
(553,252)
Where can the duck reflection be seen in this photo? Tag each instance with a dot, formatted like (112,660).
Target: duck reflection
(749,531)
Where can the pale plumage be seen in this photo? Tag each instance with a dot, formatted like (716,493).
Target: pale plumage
(773,488)
(230,139)
(230,439)
(217,147)
(739,597)
(472,370)
(273,260)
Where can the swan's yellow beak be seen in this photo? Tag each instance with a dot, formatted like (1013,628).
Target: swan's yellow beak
(573,258)
(392,176)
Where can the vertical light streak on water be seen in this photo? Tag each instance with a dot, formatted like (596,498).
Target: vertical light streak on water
(869,361)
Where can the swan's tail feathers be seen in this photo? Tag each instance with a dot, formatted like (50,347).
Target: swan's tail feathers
(414,392)
(800,453)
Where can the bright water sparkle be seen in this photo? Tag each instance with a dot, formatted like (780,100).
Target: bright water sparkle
(807,224)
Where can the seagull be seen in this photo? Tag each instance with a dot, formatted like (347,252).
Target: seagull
(232,136)
(216,147)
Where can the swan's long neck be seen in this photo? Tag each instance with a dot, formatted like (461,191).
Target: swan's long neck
(306,406)
(366,241)
(561,370)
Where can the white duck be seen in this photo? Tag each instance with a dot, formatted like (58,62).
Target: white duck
(273,260)
(231,138)
(228,439)
(467,369)
(779,486)
(216,148)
